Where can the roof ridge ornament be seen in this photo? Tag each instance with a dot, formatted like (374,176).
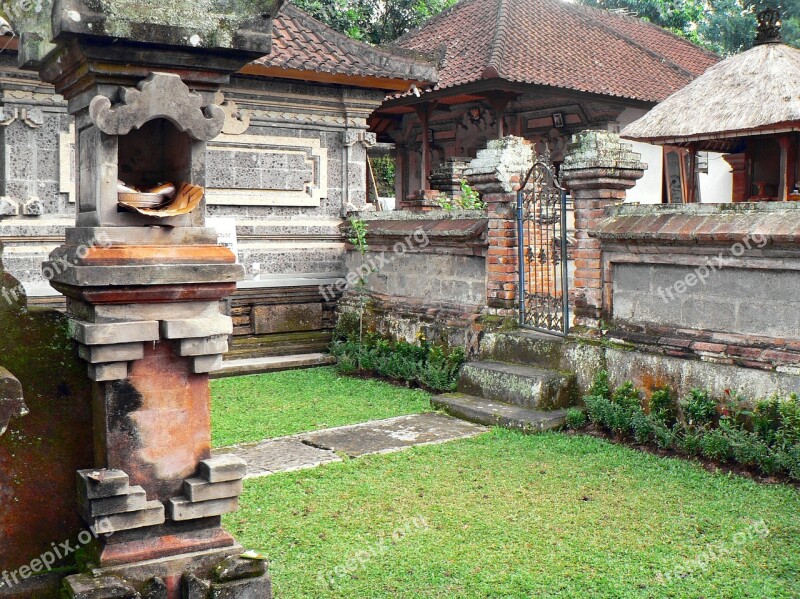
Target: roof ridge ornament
(769,27)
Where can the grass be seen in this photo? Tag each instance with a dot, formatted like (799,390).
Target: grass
(507,515)
(251,408)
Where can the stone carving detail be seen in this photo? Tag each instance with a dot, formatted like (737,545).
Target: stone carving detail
(237,121)
(31,117)
(365,138)
(214,492)
(161,95)
(12,404)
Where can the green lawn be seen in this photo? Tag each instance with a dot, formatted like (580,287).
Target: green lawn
(507,515)
(251,408)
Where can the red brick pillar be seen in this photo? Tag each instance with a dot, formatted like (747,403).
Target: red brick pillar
(496,174)
(598,169)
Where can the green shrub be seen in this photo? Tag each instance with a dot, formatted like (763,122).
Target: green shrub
(777,420)
(423,363)
(747,448)
(715,445)
(600,386)
(699,408)
(688,440)
(576,419)
(641,426)
(598,409)
(663,406)
(664,436)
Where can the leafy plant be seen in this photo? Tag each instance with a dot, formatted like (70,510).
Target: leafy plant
(468,200)
(576,419)
(699,408)
(600,386)
(663,406)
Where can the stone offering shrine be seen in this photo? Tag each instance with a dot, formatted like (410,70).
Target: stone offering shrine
(144,288)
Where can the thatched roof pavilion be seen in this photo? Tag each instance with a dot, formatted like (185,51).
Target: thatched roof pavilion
(748,104)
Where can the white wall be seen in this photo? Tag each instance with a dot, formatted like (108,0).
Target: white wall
(648,189)
(716,187)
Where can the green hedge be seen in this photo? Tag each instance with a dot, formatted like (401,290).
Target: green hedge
(766,438)
(431,366)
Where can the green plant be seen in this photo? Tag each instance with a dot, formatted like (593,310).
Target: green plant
(777,420)
(576,419)
(641,426)
(468,200)
(688,440)
(600,386)
(699,408)
(715,445)
(663,406)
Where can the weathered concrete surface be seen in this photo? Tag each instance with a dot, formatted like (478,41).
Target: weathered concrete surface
(309,450)
(495,413)
(272,364)
(280,455)
(40,452)
(12,401)
(524,386)
(394,434)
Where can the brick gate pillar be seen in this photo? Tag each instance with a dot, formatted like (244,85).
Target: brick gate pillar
(496,174)
(598,169)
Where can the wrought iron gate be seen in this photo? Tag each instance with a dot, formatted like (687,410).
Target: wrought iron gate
(542,234)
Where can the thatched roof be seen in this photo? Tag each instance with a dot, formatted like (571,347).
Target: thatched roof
(756,92)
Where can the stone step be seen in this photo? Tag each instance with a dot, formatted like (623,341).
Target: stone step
(263,346)
(272,364)
(523,386)
(524,347)
(496,413)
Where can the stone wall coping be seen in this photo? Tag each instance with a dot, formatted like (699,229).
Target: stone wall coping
(310,280)
(411,215)
(699,223)
(458,228)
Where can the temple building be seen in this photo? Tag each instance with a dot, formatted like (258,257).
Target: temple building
(539,69)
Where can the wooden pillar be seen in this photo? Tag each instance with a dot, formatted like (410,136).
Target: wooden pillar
(785,180)
(499,101)
(424,113)
(691,183)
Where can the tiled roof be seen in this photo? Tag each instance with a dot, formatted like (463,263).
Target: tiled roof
(301,43)
(559,44)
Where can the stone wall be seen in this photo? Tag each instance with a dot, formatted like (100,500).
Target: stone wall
(713,283)
(425,274)
(291,161)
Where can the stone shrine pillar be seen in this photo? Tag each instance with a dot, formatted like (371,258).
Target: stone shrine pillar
(599,169)
(143,292)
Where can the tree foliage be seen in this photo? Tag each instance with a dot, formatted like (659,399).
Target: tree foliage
(723,26)
(373,21)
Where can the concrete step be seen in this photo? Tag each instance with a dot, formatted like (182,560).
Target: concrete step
(272,364)
(523,386)
(524,347)
(495,413)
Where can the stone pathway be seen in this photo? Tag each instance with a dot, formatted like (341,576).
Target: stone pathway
(309,450)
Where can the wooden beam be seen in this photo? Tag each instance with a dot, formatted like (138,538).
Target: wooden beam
(424,112)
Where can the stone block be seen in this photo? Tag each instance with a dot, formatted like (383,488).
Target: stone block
(102,483)
(223,468)
(287,318)
(194,587)
(8,207)
(203,347)
(155,589)
(253,588)
(152,515)
(237,568)
(134,501)
(204,364)
(180,508)
(114,333)
(12,404)
(116,371)
(198,489)
(86,586)
(194,328)
(120,352)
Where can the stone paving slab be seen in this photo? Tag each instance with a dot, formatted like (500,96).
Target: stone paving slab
(393,434)
(309,450)
(280,455)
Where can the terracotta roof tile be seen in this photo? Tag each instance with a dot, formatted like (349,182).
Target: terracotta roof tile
(558,44)
(302,43)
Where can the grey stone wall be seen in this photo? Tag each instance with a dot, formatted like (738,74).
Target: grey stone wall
(429,278)
(733,300)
